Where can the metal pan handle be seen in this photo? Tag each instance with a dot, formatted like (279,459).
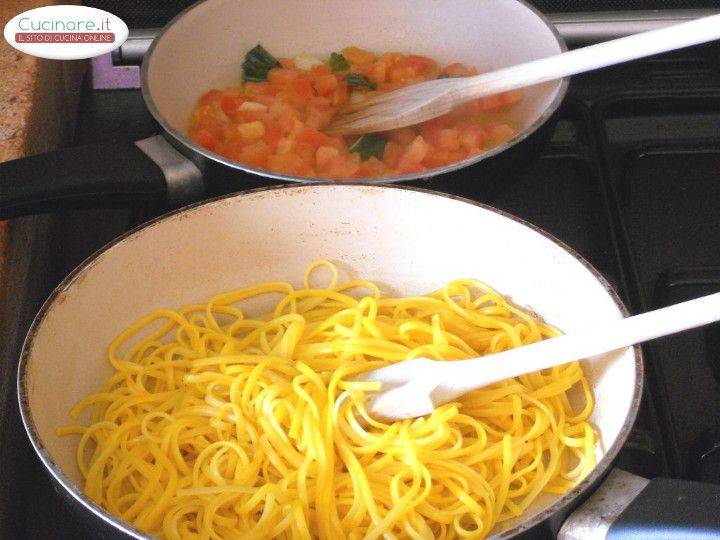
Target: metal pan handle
(149,171)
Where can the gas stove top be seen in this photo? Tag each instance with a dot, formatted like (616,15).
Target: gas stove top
(630,179)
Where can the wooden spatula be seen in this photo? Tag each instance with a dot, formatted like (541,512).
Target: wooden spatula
(424,101)
(416,387)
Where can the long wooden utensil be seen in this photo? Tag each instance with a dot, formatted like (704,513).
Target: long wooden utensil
(424,101)
(416,387)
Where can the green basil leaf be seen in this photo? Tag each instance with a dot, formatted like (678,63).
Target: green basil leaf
(338,62)
(257,64)
(360,81)
(369,145)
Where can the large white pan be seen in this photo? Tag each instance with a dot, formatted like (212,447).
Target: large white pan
(409,240)
(203,48)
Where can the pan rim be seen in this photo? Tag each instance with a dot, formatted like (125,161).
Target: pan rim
(179,140)
(73,489)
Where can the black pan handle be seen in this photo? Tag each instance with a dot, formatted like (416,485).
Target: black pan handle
(670,509)
(629,507)
(129,174)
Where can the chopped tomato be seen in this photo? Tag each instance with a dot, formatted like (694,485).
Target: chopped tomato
(448,139)
(251,131)
(278,124)
(282,75)
(213,96)
(372,168)
(378,72)
(273,133)
(491,103)
(313,137)
(413,155)
(286,163)
(302,88)
(322,69)
(230,103)
(392,154)
(472,138)
(501,133)
(204,138)
(456,70)
(255,154)
(420,63)
(404,136)
(287,62)
(326,84)
(305,150)
(356,55)
(324,157)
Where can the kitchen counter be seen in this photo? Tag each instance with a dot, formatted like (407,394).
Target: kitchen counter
(38,100)
(38,103)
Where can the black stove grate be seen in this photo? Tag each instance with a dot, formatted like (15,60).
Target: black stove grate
(144,14)
(631,179)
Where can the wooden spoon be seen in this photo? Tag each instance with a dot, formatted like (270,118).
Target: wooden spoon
(416,387)
(424,101)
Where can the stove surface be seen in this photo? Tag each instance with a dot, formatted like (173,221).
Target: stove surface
(630,180)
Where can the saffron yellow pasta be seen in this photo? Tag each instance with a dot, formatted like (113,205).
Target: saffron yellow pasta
(219,425)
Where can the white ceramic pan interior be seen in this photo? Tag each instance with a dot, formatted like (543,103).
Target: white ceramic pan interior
(205,46)
(409,241)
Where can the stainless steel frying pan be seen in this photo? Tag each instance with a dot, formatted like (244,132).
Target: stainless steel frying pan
(203,47)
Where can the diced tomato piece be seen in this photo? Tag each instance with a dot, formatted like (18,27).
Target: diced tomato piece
(319,112)
(456,70)
(413,155)
(255,154)
(372,168)
(341,94)
(326,84)
(339,143)
(356,55)
(250,115)
(273,133)
(449,139)
(392,154)
(306,152)
(284,114)
(230,103)
(302,88)
(251,131)
(472,138)
(403,136)
(430,130)
(206,139)
(437,157)
(420,63)
(324,157)
(211,97)
(321,69)
(491,103)
(500,133)
(286,163)
(378,72)
(344,166)
(288,63)
(264,99)
(400,73)
(313,137)
(282,75)
(511,97)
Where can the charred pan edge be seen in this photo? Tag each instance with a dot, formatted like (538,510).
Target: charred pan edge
(74,491)
(180,141)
